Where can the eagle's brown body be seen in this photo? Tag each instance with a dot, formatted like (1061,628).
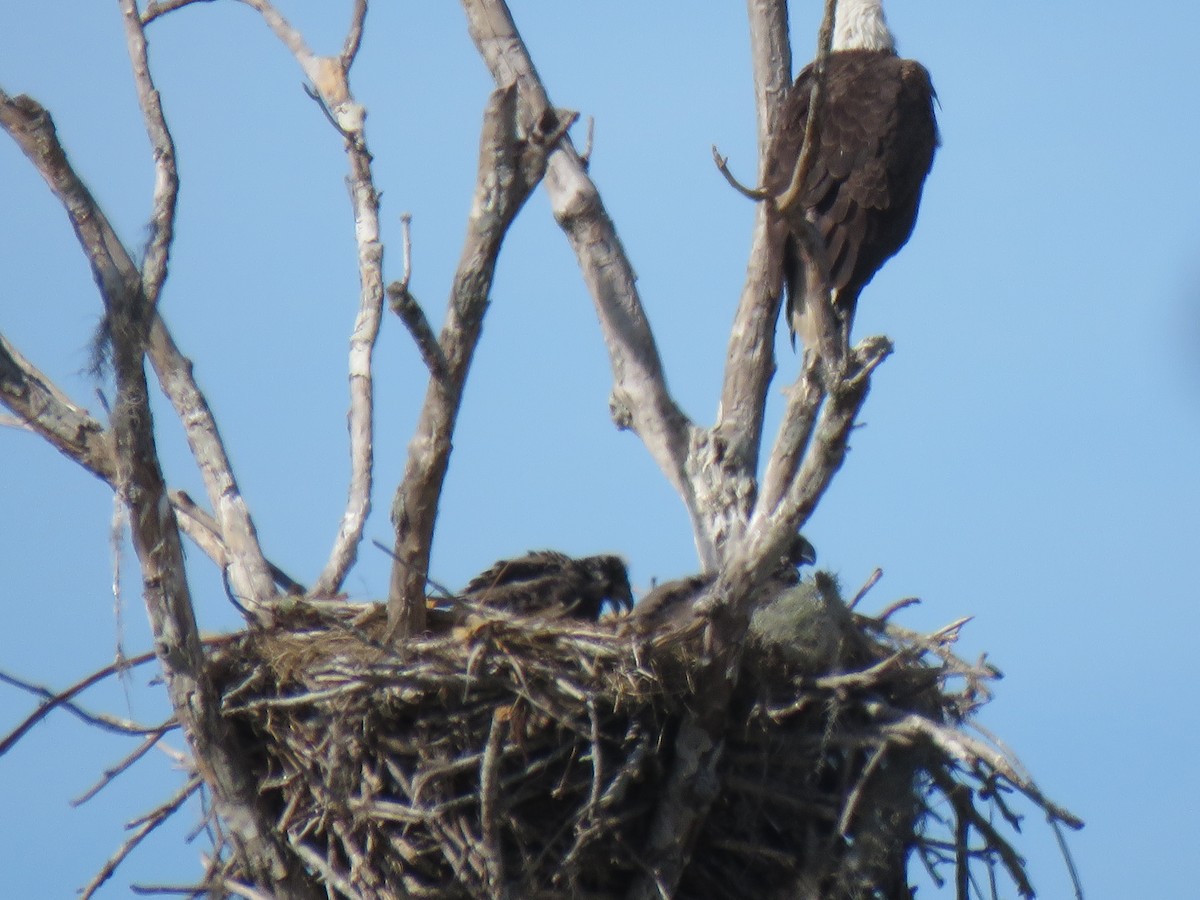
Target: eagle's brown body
(875,142)
(546,582)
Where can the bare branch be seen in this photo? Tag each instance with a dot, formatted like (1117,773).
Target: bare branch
(831,339)
(405,305)
(30,125)
(102,721)
(771,56)
(158,8)
(147,744)
(750,359)
(640,399)
(354,35)
(871,581)
(43,408)
(202,528)
(510,166)
(157,542)
(166,178)
(64,696)
(795,432)
(330,77)
(46,410)
(142,828)
(776,520)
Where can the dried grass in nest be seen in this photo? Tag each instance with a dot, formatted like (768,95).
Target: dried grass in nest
(523,757)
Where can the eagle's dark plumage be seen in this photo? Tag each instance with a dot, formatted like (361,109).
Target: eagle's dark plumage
(875,143)
(672,601)
(547,582)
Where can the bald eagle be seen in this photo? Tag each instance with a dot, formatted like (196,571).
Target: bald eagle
(875,140)
(545,581)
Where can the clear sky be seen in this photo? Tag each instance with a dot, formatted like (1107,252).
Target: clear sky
(1028,455)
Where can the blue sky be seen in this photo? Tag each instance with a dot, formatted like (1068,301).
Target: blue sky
(1028,455)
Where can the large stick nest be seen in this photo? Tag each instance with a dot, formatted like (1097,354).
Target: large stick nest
(523,757)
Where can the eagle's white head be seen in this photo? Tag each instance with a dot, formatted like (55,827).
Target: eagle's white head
(860,25)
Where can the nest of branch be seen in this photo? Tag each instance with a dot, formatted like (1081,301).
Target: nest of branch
(525,757)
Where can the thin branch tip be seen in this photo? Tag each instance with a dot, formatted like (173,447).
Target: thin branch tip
(722,162)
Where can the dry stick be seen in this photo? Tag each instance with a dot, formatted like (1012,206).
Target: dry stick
(166,178)
(511,163)
(243,543)
(64,696)
(328,873)
(330,77)
(113,771)
(640,400)
(966,815)
(143,825)
(100,720)
(406,307)
(969,752)
(48,411)
(354,35)
(156,8)
(199,525)
(489,765)
(872,580)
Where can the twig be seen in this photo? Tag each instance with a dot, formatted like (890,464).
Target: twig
(55,700)
(892,608)
(354,35)
(144,826)
(184,890)
(585,157)
(166,178)
(722,163)
(113,771)
(871,581)
(1068,858)
(875,761)
(100,720)
(406,248)
(328,872)
(406,307)
(969,752)
(489,765)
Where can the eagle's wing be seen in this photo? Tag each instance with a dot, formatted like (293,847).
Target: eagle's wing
(875,145)
(531,566)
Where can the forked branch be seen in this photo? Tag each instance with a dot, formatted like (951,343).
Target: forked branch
(512,160)
(640,400)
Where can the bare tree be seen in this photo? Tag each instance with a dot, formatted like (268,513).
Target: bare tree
(743,520)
